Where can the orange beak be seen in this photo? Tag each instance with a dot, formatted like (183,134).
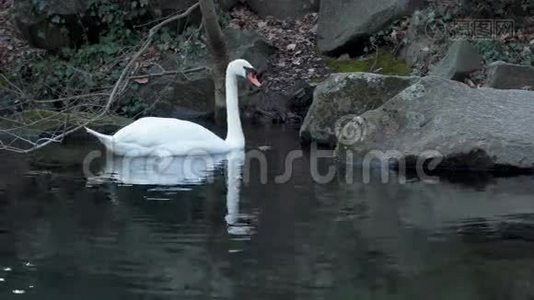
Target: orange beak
(251,77)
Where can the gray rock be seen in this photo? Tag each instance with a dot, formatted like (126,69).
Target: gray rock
(165,96)
(250,46)
(165,8)
(300,99)
(54,24)
(461,59)
(229,4)
(284,8)
(171,5)
(32,20)
(264,108)
(503,75)
(193,98)
(421,47)
(190,95)
(481,129)
(342,23)
(343,96)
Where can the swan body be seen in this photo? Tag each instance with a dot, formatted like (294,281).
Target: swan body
(162,137)
(172,137)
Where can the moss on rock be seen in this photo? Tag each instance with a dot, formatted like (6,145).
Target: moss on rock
(382,63)
(343,96)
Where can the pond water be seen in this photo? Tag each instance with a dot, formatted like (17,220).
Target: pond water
(115,232)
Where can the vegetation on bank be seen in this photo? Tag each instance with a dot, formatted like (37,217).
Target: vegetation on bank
(112,32)
(96,64)
(514,46)
(382,62)
(81,84)
(98,44)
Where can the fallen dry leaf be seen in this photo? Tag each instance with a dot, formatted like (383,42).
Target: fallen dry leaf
(141,80)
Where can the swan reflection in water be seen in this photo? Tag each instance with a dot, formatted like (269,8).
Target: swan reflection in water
(182,171)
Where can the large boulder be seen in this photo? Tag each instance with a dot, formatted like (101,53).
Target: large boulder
(51,24)
(170,6)
(345,95)
(229,4)
(196,90)
(300,100)
(167,96)
(284,8)
(503,75)
(481,129)
(164,8)
(462,58)
(54,24)
(250,46)
(189,95)
(344,23)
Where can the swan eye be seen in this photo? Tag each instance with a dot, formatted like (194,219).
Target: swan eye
(252,76)
(250,71)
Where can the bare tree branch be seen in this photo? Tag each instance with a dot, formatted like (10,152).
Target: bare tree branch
(71,98)
(165,73)
(217,46)
(119,86)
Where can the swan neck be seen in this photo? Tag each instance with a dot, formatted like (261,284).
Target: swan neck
(235,137)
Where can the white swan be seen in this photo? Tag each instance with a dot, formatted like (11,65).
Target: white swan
(173,137)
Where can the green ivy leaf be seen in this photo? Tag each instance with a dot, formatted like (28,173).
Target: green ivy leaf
(41,34)
(56,19)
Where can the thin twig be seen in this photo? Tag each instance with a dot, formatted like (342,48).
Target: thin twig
(165,73)
(19,91)
(71,98)
(376,58)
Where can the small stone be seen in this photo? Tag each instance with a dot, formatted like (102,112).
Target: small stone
(345,56)
(291,47)
(462,58)
(502,75)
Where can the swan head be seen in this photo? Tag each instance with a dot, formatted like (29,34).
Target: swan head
(243,68)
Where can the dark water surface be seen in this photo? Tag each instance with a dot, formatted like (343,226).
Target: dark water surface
(63,236)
